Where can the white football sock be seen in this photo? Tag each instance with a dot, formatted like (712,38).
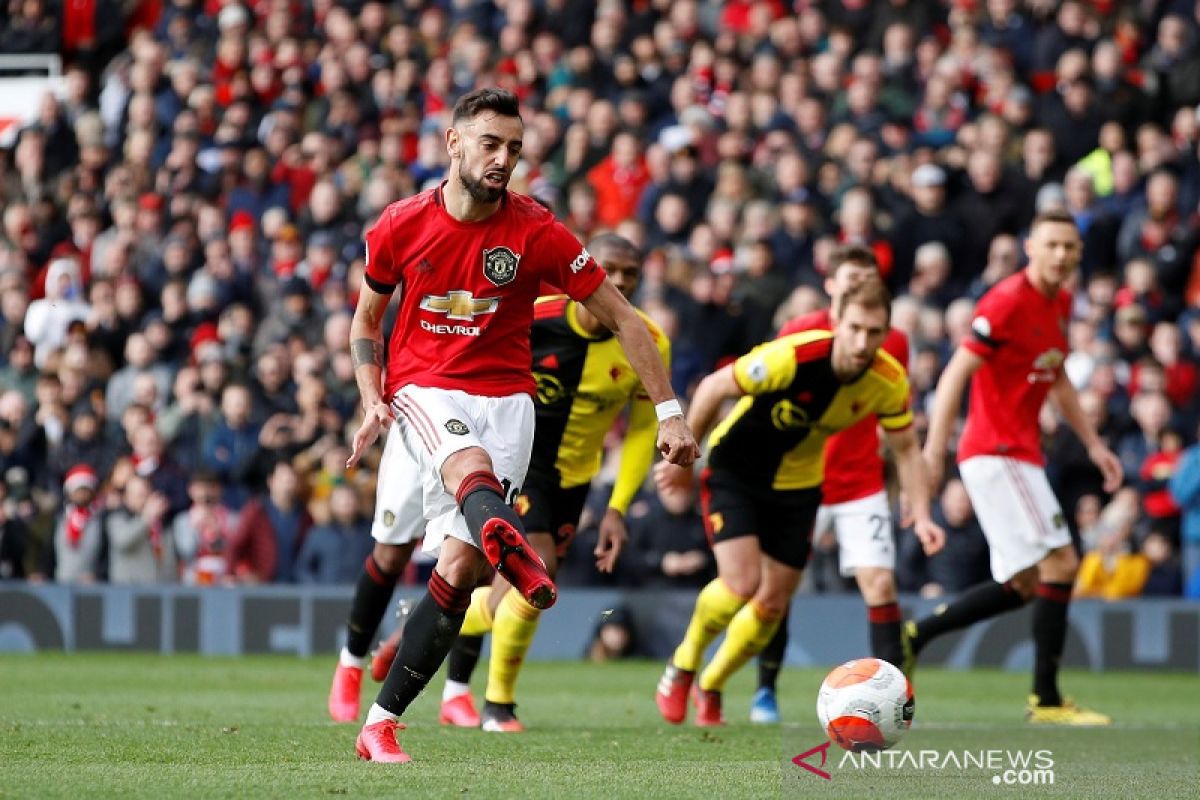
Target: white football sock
(378,714)
(347,659)
(454,689)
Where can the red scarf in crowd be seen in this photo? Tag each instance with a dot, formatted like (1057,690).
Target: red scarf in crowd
(76,521)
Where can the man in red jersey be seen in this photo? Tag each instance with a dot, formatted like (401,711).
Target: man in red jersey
(854,502)
(471,256)
(1013,360)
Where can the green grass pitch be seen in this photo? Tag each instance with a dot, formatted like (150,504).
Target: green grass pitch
(124,725)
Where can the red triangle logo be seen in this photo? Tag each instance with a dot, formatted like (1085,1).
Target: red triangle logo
(822,749)
(549,362)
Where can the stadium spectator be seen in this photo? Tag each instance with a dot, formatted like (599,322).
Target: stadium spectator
(334,551)
(14,536)
(1185,489)
(271,530)
(141,549)
(76,541)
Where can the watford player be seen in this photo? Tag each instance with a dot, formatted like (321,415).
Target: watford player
(854,502)
(762,487)
(583,381)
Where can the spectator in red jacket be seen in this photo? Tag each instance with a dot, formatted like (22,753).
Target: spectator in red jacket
(271,531)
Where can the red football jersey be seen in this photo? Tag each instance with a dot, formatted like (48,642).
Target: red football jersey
(853,465)
(1022,336)
(467,290)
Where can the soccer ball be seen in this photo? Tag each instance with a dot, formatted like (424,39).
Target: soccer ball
(865,705)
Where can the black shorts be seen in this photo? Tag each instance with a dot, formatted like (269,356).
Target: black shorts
(546,507)
(782,520)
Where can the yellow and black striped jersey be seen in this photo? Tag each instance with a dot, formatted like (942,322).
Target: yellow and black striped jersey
(775,435)
(583,383)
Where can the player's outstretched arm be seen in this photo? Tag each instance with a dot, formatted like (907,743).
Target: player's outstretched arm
(367,351)
(1067,400)
(914,479)
(675,440)
(946,402)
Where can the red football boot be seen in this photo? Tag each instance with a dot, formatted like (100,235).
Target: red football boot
(672,694)
(385,654)
(459,712)
(708,708)
(344,693)
(378,743)
(512,556)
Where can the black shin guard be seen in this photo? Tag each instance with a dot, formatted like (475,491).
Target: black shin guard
(1050,609)
(372,594)
(980,602)
(770,660)
(428,636)
(464,657)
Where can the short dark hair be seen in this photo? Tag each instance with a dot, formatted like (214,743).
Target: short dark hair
(616,243)
(501,101)
(855,254)
(871,293)
(1056,215)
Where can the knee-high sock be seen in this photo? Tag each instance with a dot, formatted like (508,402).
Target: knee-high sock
(428,636)
(480,498)
(464,655)
(516,622)
(770,660)
(885,632)
(479,614)
(715,607)
(1049,635)
(372,594)
(980,602)
(748,634)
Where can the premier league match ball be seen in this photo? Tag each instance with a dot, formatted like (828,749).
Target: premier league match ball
(865,705)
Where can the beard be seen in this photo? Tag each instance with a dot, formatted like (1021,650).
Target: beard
(481,192)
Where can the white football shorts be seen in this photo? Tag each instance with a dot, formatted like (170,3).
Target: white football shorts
(864,532)
(437,423)
(1017,510)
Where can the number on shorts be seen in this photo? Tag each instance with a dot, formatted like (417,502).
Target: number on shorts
(510,491)
(877,520)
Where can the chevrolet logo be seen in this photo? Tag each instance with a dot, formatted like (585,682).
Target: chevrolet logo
(458,304)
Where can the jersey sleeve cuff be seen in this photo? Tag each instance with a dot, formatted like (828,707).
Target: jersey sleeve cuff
(590,284)
(378,286)
(978,347)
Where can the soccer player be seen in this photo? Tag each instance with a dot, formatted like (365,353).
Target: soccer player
(1013,360)
(584,381)
(471,256)
(854,502)
(762,486)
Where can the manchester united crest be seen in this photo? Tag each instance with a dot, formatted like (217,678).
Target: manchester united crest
(500,265)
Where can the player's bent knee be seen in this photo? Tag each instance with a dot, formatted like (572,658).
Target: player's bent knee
(461,564)
(392,558)
(1025,583)
(1059,566)
(877,585)
(744,586)
(461,464)
(771,606)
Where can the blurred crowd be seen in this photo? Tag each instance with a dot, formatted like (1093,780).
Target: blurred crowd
(180,243)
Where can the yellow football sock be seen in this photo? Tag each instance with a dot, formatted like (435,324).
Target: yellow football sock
(512,633)
(748,634)
(479,616)
(715,607)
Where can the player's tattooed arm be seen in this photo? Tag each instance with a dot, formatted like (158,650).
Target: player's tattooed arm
(367,351)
